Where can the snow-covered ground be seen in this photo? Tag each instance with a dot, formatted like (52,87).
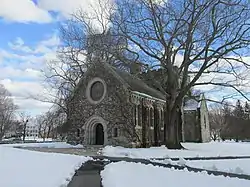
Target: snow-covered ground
(125,174)
(39,139)
(31,138)
(35,169)
(238,166)
(20,167)
(212,149)
(44,145)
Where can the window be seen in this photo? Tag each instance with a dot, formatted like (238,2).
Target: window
(136,115)
(162,118)
(115,132)
(78,132)
(96,91)
(205,122)
(151,115)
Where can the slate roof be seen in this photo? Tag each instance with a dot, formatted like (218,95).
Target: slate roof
(135,84)
(191,104)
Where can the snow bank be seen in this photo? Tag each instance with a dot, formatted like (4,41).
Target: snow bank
(212,149)
(45,145)
(229,148)
(36,169)
(135,152)
(124,174)
(238,166)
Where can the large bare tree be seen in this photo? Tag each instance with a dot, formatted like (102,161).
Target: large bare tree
(186,37)
(217,122)
(196,42)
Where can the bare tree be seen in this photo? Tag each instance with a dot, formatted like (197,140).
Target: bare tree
(208,37)
(196,43)
(48,123)
(217,122)
(43,126)
(24,119)
(7,111)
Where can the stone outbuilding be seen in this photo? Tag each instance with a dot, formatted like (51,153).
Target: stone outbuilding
(196,121)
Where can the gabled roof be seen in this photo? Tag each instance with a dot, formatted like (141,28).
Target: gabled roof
(135,84)
(191,104)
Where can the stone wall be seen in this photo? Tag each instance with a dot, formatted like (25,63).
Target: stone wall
(191,126)
(112,108)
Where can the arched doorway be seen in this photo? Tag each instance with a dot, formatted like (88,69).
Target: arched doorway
(99,134)
(95,131)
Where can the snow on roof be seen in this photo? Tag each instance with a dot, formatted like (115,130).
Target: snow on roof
(191,104)
(148,96)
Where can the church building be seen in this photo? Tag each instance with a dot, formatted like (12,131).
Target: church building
(114,107)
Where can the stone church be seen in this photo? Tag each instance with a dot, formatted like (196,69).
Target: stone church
(114,107)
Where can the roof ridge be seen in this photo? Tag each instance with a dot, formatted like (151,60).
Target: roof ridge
(110,67)
(145,88)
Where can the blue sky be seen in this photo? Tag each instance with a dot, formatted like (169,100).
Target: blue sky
(28,40)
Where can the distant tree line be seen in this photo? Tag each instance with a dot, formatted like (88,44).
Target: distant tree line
(230,122)
(7,112)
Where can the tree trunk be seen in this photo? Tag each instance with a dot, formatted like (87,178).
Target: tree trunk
(172,129)
(48,132)
(1,135)
(24,131)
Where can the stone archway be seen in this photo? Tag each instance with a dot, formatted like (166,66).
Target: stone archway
(95,131)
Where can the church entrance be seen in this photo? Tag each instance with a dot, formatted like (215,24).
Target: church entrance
(99,134)
(95,131)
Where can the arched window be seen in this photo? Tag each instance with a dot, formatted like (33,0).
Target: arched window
(115,132)
(78,132)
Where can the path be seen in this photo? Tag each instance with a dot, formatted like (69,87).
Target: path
(88,175)
(74,151)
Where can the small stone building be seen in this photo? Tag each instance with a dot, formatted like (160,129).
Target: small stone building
(114,107)
(196,122)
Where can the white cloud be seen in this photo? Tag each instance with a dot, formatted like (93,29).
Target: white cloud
(45,47)
(18,44)
(22,92)
(51,41)
(23,11)
(20,72)
(238,77)
(14,73)
(67,7)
